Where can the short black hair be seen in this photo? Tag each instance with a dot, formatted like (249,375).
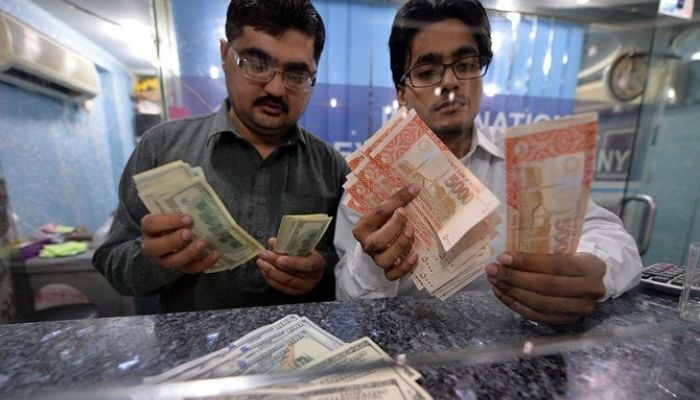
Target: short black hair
(275,17)
(417,14)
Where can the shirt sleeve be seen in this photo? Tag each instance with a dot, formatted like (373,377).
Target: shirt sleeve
(604,236)
(119,258)
(356,274)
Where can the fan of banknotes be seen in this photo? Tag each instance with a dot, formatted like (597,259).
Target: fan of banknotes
(453,215)
(178,187)
(293,343)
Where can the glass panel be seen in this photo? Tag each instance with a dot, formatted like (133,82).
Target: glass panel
(666,164)
(642,76)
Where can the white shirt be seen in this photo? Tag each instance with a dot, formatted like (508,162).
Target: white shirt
(357,276)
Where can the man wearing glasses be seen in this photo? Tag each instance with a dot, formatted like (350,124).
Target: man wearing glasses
(440,50)
(259,161)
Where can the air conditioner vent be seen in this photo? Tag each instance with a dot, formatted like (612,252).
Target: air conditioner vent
(31,60)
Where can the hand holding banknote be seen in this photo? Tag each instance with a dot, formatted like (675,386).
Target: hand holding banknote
(294,275)
(385,235)
(549,173)
(168,239)
(549,288)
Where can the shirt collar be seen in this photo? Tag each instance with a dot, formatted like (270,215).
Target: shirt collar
(222,124)
(486,139)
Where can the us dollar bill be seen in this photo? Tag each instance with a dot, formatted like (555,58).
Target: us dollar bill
(384,389)
(299,234)
(361,351)
(284,345)
(177,187)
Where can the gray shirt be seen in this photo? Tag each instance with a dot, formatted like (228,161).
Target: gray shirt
(304,175)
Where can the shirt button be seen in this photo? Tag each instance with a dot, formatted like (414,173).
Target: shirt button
(260,234)
(262,201)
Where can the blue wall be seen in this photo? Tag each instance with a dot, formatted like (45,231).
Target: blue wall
(354,68)
(61,162)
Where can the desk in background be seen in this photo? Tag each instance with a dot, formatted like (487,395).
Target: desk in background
(77,271)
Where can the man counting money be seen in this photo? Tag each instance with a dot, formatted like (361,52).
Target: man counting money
(256,158)
(440,50)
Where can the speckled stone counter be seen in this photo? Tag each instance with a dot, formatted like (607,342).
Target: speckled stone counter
(121,351)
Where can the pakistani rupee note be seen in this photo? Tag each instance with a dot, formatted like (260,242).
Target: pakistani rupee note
(549,170)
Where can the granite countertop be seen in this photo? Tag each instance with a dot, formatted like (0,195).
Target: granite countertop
(121,351)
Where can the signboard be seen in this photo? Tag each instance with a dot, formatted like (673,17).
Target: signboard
(677,8)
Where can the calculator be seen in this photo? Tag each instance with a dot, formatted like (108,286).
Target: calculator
(665,277)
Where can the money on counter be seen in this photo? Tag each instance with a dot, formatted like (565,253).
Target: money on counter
(549,170)
(295,342)
(453,215)
(177,187)
(299,234)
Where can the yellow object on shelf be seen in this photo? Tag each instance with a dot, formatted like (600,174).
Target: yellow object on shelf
(66,249)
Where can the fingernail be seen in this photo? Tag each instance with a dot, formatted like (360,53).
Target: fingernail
(408,232)
(413,189)
(505,259)
(201,244)
(186,234)
(401,211)
(282,261)
(217,256)
(266,254)
(491,270)
(413,258)
(186,220)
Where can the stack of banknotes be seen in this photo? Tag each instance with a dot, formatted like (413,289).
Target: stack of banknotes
(298,234)
(177,187)
(295,342)
(453,215)
(549,170)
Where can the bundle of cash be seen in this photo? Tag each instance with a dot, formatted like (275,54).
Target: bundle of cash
(295,342)
(177,187)
(453,215)
(299,234)
(549,170)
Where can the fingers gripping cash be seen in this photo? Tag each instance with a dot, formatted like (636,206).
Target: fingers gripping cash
(188,217)
(424,214)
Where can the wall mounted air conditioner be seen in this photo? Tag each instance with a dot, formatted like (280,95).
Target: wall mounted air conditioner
(33,61)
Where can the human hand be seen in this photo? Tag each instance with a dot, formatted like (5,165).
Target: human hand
(386,236)
(549,288)
(294,275)
(167,238)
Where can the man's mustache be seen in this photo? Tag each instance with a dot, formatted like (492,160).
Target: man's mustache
(450,98)
(272,100)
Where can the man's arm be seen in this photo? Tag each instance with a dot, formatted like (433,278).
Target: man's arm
(120,258)
(368,247)
(563,288)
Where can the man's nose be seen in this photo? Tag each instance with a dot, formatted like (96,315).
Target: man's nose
(276,86)
(449,79)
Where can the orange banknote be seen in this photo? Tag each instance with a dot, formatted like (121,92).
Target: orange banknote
(549,170)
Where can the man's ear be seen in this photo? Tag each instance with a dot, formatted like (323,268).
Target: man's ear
(223,50)
(400,95)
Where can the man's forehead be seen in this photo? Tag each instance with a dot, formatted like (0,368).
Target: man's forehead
(291,46)
(443,39)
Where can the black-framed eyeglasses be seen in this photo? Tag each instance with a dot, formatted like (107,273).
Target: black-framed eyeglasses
(259,71)
(432,73)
